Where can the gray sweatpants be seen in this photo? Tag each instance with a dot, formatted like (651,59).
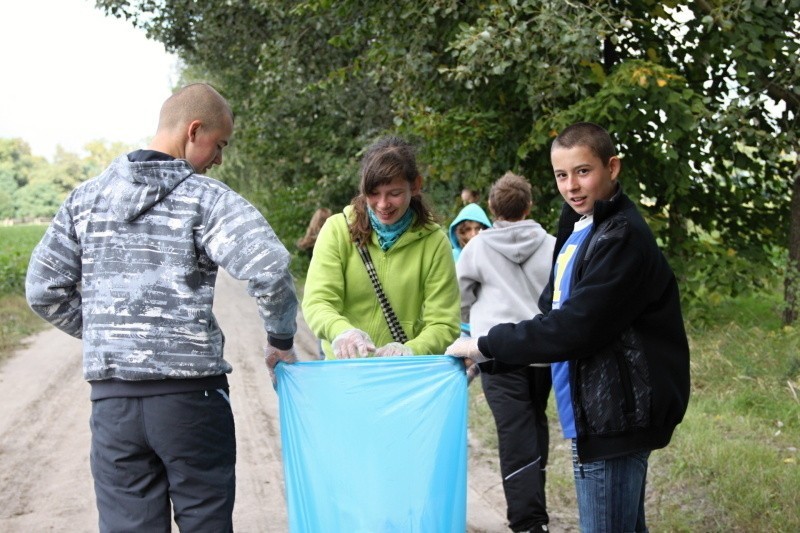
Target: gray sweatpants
(151,450)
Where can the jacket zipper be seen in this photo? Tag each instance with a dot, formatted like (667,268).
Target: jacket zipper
(625,378)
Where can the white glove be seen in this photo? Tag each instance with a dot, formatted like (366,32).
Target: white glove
(394,348)
(467,349)
(273,356)
(352,343)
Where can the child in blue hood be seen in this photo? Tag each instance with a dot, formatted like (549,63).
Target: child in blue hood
(469,222)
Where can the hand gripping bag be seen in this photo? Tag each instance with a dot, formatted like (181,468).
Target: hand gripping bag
(375,445)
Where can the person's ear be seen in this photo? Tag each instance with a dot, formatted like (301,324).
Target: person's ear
(192,130)
(416,186)
(614,167)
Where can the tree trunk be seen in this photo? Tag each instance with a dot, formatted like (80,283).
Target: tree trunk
(792,281)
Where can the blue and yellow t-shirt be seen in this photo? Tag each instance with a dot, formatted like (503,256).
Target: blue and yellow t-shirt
(564,270)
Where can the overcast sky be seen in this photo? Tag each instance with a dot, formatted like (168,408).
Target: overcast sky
(71,75)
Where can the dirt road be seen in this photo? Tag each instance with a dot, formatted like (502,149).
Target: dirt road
(45,481)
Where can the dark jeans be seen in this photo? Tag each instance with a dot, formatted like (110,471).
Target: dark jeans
(152,450)
(611,493)
(518,400)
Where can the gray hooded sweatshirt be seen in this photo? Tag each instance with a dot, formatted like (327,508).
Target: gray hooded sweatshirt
(129,264)
(501,274)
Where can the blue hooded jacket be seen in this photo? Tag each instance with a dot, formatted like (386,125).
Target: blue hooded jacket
(469,212)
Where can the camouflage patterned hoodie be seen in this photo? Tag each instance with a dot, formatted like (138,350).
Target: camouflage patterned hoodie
(130,261)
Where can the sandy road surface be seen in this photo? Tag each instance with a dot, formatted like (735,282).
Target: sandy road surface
(45,481)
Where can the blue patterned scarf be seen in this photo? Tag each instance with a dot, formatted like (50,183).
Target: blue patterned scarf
(389,233)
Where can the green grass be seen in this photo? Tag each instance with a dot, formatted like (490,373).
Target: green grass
(18,242)
(18,320)
(733,463)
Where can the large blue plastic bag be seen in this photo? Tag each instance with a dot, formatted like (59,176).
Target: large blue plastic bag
(375,445)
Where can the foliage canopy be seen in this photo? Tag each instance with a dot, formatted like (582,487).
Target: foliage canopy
(701,98)
(32,188)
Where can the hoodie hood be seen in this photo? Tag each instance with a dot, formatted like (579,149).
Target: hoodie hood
(140,185)
(469,212)
(516,241)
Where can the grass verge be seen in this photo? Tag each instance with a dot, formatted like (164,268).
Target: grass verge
(18,322)
(732,464)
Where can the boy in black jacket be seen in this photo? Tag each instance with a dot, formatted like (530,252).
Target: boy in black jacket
(612,329)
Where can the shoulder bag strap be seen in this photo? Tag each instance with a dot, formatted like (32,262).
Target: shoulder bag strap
(388,313)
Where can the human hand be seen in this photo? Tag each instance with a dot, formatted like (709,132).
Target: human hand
(393,348)
(467,349)
(472,370)
(273,356)
(352,343)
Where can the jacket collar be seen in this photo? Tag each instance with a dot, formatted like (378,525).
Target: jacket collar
(603,209)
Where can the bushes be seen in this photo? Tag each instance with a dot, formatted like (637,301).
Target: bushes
(18,243)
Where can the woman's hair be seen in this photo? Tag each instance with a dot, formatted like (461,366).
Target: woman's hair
(386,159)
(594,137)
(317,220)
(510,197)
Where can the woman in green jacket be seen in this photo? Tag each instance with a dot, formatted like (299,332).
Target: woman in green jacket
(412,259)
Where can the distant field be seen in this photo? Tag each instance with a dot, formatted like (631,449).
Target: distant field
(15,252)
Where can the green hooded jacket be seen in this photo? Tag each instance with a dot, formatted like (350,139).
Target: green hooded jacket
(417,274)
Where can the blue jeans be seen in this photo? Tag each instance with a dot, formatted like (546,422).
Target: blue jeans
(611,493)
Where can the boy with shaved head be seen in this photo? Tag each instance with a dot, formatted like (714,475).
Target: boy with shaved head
(129,265)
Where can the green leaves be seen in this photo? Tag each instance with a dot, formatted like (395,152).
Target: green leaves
(701,97)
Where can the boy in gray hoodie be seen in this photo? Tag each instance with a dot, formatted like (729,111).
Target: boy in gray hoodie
(501,275)
(129,265)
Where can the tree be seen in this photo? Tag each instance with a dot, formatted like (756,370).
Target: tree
(37,200)
(17,160)
(33,188)
(8,186)
(17,167)
(701,98)
(297,131)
